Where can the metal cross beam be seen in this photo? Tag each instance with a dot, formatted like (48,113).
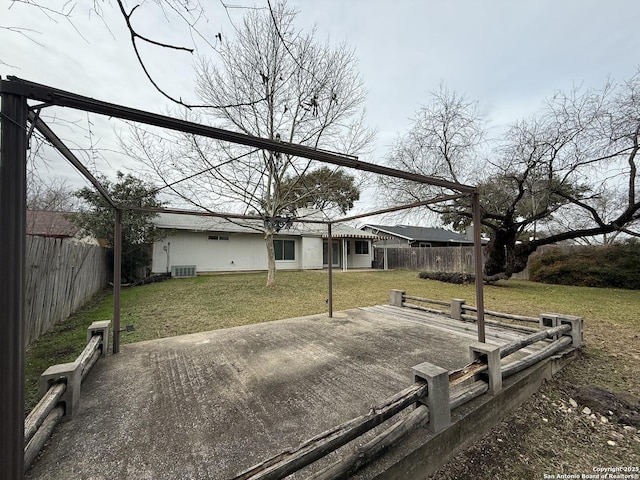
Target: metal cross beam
(52,138)
(62,98)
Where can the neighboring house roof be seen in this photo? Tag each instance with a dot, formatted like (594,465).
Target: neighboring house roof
(198,223)
(45,223)
(420,234)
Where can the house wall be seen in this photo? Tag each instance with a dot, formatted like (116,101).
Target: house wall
(241,252)
(394,242)
(358,260)
(311,253)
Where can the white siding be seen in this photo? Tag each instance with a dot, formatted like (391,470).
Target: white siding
(359,260)
(240,252)
(312,253)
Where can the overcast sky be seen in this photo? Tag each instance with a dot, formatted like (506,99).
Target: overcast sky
(507,55)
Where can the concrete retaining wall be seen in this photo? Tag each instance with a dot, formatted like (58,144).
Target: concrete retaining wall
(423,452)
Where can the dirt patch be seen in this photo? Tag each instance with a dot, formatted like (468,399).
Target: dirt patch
(619,407)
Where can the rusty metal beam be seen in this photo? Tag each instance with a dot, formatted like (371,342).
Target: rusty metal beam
(443,198)
(13,194)
(54,140)
(62,98)
(208,213)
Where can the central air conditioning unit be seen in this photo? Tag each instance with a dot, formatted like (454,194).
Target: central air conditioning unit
(183,271)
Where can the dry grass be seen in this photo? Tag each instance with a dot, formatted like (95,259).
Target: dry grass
(528,447)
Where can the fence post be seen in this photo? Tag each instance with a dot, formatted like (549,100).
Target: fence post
(490,355)
(456,308)
(396,298)
(100,328)
(577,328)
(549,320)
(71,373)
(437,399)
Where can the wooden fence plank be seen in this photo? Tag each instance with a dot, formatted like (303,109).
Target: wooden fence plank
(433,259)
(61,275)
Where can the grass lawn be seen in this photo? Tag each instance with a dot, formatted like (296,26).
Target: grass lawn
(176,307)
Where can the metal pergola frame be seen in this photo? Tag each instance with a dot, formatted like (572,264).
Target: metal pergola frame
(15,116)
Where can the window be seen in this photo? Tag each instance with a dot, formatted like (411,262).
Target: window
(362,247)
(285,249)
(218,237)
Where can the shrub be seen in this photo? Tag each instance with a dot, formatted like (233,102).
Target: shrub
(614,266)
(449,277)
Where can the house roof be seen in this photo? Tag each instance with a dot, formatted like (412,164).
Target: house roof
(46,223)
(420,234)
(175,221)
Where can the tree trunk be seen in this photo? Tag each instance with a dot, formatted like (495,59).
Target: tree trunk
(271,258)
(504,257)
(499,250)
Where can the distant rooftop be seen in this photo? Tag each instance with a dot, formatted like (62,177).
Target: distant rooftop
(420,234)
(46,223)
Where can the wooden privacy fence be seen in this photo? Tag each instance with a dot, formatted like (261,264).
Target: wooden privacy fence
(61,276)
(60,388)
(432,259)
(447,259)
(430,393)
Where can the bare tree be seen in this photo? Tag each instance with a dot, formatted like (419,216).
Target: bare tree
(444,140)
(184,15)
(54,194)
(552,170)
(269,81)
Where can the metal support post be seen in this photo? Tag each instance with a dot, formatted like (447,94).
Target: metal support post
(477,250)
(117,273)
(13,171)
(330,261)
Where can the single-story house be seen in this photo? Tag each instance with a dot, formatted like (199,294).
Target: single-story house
(201,244)
(409,236)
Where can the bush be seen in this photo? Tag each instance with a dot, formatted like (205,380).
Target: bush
(449,277)
(613,266)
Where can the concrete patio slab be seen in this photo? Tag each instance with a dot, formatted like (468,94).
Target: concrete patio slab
(210,405)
